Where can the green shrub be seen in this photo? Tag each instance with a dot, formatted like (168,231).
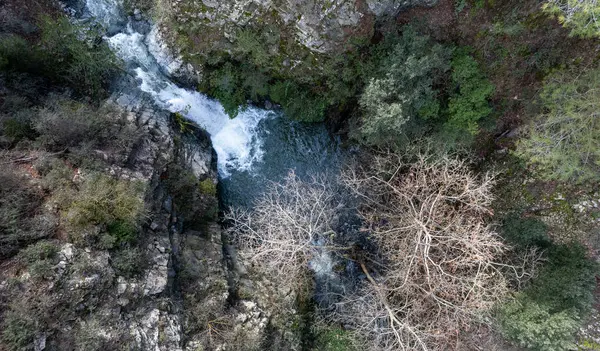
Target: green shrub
(207,187)
(128,261)
(117,205)
(107,241)
(297,102)
(546,314)
(40,258)
(226,86)
(57,175)
(524,232)
(537,327)
(17,125)
(18,54)
(567,280)
(18,331)
(42,250)
(334,339)
(250,43)
(578,15)
(87,65)
(61,55)
(469,100)
(564,142)
(401,97)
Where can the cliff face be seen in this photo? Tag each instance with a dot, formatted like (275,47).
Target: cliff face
(170,290)
(205,30)
(320,26)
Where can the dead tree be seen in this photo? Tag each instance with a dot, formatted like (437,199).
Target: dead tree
(286,227)
(436,260)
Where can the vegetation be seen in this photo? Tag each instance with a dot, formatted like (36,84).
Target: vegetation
(563,142)
(18,331)
(434,278)
(400,98)
(19,224)
(581,16)
(546,315)
(62,57)
(118,205)
(128,262)
(40,257)
(468,103)
(70,174)
(410,235)
(334,340)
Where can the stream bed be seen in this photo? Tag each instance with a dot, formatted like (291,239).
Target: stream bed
(254,148)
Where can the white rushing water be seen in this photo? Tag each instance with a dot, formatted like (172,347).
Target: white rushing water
(235,140)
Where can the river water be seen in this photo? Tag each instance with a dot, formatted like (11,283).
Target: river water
(254,148)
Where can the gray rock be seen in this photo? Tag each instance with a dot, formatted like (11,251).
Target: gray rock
(39,343)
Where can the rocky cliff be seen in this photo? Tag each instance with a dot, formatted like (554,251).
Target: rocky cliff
(204,31)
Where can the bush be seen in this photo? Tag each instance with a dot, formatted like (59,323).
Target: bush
(525,232)
(564,142)
(117,205)
(57,175)
(469,101)
(207,187)
(546,315)
(225,85)
(401,97)
(40,258)
(535,326)
(18,205)
(42,250)
(578,15)
(66,123)
(18,331)
(17,125)
(128,261)
(62,56)
(190,195)
(298,103)
(334,339)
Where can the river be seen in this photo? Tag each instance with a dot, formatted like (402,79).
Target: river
(254,148)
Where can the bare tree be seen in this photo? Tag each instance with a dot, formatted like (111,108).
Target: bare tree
(286,227)
(435,271)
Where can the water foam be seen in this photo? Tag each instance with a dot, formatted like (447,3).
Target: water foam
(106,12)
(236,141)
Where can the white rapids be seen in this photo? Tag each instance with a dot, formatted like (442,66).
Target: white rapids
(235,141)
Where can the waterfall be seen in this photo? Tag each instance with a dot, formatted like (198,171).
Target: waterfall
(253,149)
(235,140)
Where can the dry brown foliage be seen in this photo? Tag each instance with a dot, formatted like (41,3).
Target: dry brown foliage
(436,259)
(285,228)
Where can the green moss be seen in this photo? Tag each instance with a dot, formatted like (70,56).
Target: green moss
(589,344)
(334,339)
(181,122)
(207,187)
